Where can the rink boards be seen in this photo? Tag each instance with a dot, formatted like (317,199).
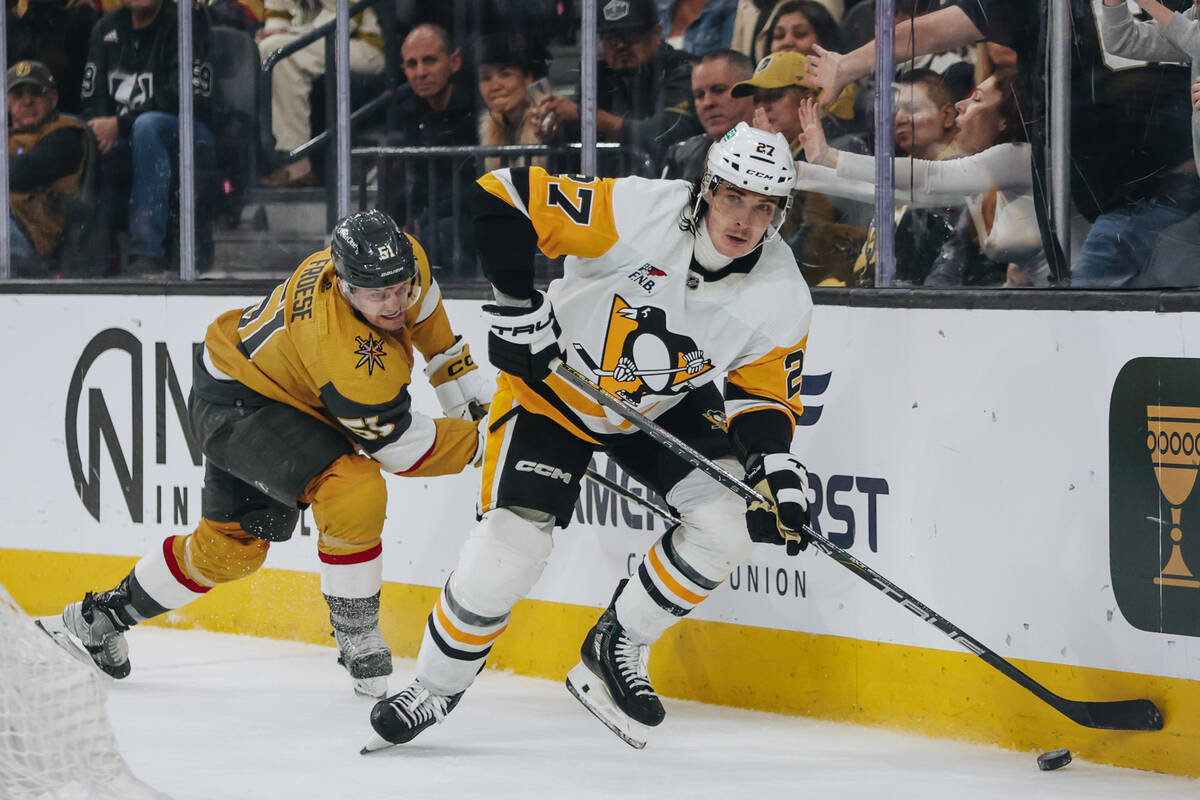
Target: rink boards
(1027,474)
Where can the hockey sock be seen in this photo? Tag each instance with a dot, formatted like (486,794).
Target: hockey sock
(157,584)
(665,589)
(456,644)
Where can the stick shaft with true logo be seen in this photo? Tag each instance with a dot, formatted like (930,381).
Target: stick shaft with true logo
(1127,715)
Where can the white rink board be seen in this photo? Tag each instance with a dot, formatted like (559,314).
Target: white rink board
(989,428)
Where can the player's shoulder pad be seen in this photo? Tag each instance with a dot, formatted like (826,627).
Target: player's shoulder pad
(779,291)
(653,203)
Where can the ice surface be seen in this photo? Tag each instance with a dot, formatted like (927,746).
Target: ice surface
(214,716)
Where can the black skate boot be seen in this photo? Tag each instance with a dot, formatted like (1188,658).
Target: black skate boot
(361,647)
(611,679)
(95,624)
(399,718)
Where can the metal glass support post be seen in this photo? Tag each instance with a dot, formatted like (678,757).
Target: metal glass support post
(587,88)
(1059,157)
(187,145)
(341,52)
(5,210)
(885,147)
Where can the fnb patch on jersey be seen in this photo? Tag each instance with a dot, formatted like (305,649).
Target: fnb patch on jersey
(644,276)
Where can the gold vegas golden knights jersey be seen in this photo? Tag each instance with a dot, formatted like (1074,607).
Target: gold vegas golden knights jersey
(304,345)
(639,320)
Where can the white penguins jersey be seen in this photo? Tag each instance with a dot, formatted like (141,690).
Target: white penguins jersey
(638,320)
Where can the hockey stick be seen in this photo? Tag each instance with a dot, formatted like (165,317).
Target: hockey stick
(620,490)
(1122,715)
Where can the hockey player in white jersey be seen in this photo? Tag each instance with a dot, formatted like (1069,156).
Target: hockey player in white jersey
(667,288)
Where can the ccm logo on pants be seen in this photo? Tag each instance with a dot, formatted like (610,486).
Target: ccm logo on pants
(545,470)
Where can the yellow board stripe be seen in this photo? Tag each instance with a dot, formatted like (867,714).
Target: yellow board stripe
(937,693)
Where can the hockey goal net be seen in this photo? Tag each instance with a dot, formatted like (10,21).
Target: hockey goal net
(55,739)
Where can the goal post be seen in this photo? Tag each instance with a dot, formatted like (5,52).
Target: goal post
(56,742)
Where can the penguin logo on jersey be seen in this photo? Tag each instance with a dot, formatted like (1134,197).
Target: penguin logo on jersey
(642,357)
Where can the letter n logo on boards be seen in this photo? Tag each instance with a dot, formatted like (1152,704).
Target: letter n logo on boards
(1154,505)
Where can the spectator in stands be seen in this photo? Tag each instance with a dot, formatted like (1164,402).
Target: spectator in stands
(47,152)
(942,61)
(713,77)
(997,239)
(505,75)
(752,16)
(925,115)
(643,86)
(697,27)
(1133,180)
(131,103)
(824,239)
(438,110)
(54,32)
(794,27)
(925,129)
(799,25)
(1168,37)
(291,80)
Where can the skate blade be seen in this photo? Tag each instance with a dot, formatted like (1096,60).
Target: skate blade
(375,744)
(591,692)
(375,688)
(54,628)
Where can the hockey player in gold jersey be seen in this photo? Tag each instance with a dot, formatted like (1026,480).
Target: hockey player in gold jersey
(667,287)
(298,401)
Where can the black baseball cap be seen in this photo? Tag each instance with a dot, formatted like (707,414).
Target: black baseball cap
(616,15)
(32,72)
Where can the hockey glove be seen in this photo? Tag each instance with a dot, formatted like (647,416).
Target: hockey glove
(783,481)
(456,380)
(523,341)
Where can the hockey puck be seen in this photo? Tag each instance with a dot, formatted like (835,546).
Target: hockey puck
(1054,759)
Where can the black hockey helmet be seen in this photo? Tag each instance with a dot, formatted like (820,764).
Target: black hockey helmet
(370,251)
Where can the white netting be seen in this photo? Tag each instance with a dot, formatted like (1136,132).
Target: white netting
(55,739)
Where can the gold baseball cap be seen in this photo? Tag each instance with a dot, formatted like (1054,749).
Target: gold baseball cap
(775,72)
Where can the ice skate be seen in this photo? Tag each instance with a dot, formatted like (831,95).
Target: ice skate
(367,658)
(399,718)
(611,680)
(93,625)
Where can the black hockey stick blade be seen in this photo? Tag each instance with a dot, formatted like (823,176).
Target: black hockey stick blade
(1116,715)
(1123,715)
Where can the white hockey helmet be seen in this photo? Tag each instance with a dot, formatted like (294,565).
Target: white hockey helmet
(751,159)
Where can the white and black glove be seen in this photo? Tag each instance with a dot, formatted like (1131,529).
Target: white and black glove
(523,341)
(783,481)
(456,380)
